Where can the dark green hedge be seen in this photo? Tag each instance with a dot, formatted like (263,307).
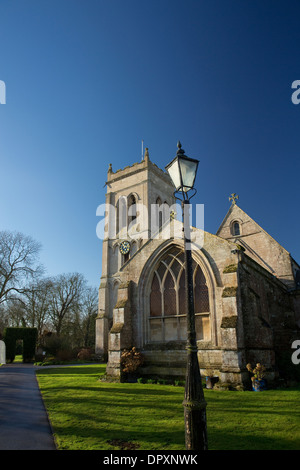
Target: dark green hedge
(29,337)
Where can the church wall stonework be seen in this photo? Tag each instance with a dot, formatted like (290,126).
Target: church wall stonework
(223,349)
(296,306)
(258,244)
(254,308)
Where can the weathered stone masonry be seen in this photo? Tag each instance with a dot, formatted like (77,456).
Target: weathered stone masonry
(247,301)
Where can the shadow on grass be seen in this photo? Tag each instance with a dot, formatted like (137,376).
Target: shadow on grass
(72,370)
(159,438)
(95,415)
(224,440)
(163,438)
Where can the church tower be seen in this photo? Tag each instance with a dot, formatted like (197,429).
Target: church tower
(138,201)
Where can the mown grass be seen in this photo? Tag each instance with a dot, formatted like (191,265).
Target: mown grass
(87,414)
(18,358)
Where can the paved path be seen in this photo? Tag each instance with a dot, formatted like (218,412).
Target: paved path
(24,423)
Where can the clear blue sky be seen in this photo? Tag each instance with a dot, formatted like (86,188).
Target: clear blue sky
(87,80)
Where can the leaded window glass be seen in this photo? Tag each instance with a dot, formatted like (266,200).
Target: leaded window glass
(167,320)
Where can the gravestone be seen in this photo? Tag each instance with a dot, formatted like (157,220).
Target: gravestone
(2,352)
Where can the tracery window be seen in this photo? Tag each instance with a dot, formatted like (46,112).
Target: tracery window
(167,320)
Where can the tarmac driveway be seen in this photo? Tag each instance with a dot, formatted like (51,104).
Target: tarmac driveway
(24,423)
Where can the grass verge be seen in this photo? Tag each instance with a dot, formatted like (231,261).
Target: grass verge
(87,414)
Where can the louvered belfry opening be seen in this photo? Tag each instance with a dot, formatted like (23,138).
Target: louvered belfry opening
(167,320)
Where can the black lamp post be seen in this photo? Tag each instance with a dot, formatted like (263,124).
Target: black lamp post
(182,171)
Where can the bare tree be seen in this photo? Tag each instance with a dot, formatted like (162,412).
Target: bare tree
(78,325)
(3,319)
(15,313)
(18,263)
(36,300)
(89,308)
(65,297)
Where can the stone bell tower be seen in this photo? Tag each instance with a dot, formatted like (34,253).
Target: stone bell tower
(138,201)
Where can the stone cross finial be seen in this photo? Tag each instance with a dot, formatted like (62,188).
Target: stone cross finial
(233,198)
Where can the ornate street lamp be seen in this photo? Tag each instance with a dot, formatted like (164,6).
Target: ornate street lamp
(182,171)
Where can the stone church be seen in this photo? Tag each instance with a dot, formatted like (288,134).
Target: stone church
(246,285)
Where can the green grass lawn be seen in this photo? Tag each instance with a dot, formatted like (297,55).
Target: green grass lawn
(87,414)
(18,358)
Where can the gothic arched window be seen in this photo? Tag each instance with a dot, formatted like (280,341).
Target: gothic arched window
(167,320)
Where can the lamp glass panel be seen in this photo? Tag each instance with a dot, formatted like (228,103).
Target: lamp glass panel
(174,173)
(188,172)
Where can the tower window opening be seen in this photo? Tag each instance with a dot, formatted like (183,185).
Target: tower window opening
(121,214)
(160,216)
(131,210)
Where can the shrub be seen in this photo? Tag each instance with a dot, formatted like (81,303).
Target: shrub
(161,381)
(85,354)
(39,357)
(150,381)
(179,383)
(131,360)
(29,337)
(54,345)
(64,355)
(258,372)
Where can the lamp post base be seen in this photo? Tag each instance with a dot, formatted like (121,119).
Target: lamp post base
(194,407)
(195,429)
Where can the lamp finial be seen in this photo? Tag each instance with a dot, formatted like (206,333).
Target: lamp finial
(180,150)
